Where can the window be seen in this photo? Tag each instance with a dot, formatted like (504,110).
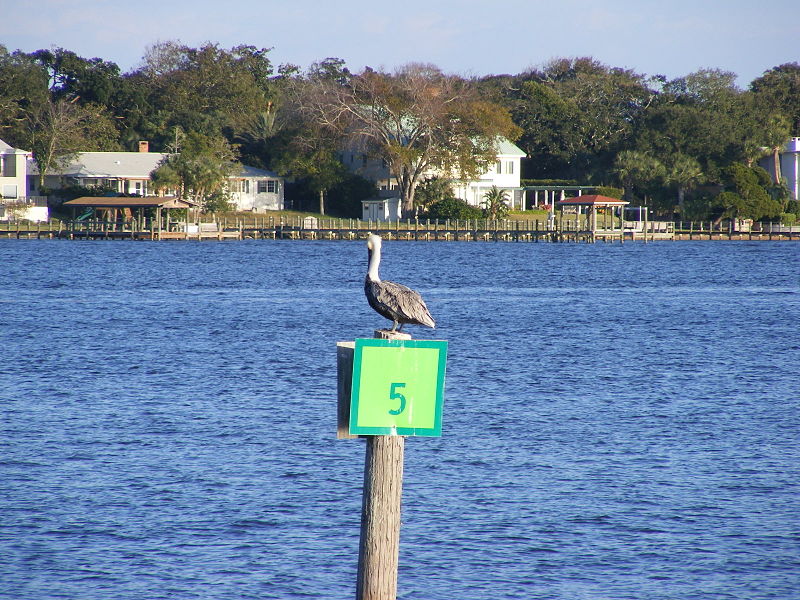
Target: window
(8,166)
(268,187)
(499,167)
(510,167)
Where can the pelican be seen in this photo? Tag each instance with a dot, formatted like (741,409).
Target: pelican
(392,300)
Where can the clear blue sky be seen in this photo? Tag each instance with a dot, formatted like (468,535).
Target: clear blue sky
(467,37)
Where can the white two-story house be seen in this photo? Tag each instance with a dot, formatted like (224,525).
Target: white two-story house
(16,202)
(503,173)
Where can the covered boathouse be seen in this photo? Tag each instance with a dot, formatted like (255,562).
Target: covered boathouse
(587,209)
(133,214)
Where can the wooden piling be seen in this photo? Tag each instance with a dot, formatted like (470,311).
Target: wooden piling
(379,548)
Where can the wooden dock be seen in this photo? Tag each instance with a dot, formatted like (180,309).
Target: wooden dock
(471,230)
(99,230)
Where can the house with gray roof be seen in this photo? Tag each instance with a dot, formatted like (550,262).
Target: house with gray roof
(121,172)
(251,189)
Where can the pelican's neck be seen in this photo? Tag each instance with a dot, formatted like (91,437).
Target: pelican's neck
(374,263)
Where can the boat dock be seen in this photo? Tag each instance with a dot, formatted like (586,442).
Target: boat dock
(470,230)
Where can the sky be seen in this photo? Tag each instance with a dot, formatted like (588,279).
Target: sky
(465,37)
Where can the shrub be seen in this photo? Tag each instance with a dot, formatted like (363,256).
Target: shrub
(564,182)
(431,191)
(610,192)
(217,202)
(453,208)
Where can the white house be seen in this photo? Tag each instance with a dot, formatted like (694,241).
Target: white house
(790,166)
(129,173)
(504,173)
(257,190)
(15,201)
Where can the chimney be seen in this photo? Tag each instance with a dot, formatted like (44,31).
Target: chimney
(144,146)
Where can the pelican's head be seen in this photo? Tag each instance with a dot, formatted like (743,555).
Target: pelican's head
(373,242)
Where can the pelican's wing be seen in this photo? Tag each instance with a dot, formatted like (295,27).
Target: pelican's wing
(405,302)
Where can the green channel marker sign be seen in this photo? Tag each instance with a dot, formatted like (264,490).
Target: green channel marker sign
(398,387)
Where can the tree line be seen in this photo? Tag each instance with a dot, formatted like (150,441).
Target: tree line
(687,147)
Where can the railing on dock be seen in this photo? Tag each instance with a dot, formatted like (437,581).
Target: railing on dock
(731,229)
(313,228)
(531,230)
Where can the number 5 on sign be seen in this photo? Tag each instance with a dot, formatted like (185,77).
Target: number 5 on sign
(393,393)
(398,387)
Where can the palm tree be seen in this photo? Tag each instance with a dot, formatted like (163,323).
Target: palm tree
(684,172)
(636,169)
(258,140)
(777,132)
(494,203)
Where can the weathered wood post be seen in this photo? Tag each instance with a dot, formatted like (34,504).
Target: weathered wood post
(379,547)
(388,387)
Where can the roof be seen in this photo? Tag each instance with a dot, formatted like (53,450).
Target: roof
(592,200)
(506,147)
(248,171)
(130,202)
(129,165)
(8,149)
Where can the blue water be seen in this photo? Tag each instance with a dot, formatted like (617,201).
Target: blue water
(621,421)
